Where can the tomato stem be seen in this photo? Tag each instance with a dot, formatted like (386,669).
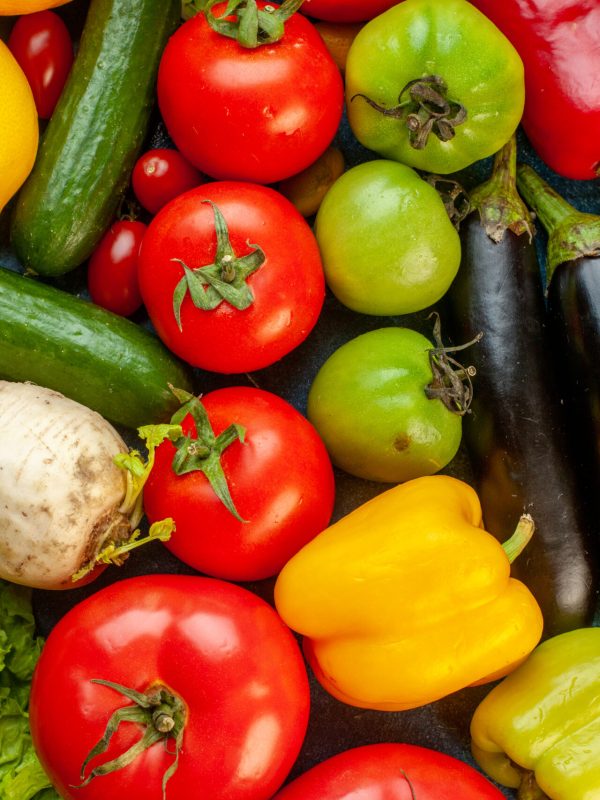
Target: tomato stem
(224,279)
(426,110)
(203,452)
(455,198)
(451,381)
(163,715)
(410,786)
(252,26)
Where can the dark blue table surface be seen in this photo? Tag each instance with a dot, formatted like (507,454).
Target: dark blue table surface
(333,727)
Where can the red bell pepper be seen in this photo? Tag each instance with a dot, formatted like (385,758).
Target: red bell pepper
(559,42)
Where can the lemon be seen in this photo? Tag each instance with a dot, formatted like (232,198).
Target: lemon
(27,6)
(18,126)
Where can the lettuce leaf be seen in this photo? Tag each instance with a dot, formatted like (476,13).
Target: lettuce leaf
(21,775)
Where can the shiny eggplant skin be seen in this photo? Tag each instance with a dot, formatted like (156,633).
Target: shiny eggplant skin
(574,315)
(515,434)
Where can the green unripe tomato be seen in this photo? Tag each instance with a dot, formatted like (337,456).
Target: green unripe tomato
(369,405)
(387,244)
(434,84)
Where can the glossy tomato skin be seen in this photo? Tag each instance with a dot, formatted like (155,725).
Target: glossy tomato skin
(369,404)
(259,114)
(222,649)
(288,289)
(281,482)
(377,771)
(41,44)
(346,11)
(112,271)
(160,175)
(387,243)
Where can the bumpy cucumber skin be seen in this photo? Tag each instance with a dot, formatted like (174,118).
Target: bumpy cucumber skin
(95,134)
(103,361)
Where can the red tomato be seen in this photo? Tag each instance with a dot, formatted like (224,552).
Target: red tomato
(40,42)
(112,271)
(393,772)
(346,10)
(219,648)
(161,175)
(281,483)
(286,292)
(259,114)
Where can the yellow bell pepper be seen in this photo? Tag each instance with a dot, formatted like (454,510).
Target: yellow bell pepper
(539,730)
(11,7)
(407,599)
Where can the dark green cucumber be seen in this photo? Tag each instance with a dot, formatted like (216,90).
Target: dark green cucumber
(95,134)
(103,361)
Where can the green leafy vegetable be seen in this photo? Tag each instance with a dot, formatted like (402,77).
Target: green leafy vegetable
(21,775)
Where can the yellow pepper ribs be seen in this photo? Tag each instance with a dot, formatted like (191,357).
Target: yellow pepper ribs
(539,730)
(407,599)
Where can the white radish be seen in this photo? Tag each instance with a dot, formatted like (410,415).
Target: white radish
(60,490)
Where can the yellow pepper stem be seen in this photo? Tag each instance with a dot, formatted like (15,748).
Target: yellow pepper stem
(529,790)
(514,546)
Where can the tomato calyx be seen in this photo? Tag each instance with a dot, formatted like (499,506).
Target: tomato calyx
(252,26)
(426,110)
(203,452)
(455,199)
(225,279)
(159,710)
(451,382)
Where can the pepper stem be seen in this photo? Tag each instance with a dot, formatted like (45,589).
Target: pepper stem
(572,234)
(252,27)
(498,201)
(529,789)
(424,106)
(514,546)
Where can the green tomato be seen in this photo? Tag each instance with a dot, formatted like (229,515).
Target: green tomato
(387,243)
(434,84)
(369,404)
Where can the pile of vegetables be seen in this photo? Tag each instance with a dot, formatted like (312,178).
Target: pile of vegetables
(260,282)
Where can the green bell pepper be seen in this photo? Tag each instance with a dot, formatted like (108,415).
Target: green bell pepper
(434,85)
(539,730)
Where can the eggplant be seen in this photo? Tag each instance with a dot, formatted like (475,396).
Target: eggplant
(515,434)
(573,278)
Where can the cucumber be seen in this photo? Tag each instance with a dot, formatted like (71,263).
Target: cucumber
(103,361)
(95,134)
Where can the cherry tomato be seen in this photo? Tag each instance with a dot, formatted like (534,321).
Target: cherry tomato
(393,772)
(279,294)
(41,44)
(346,10)
(161,175)
(281,483)
(231,671)
(112,271)
(258,114)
